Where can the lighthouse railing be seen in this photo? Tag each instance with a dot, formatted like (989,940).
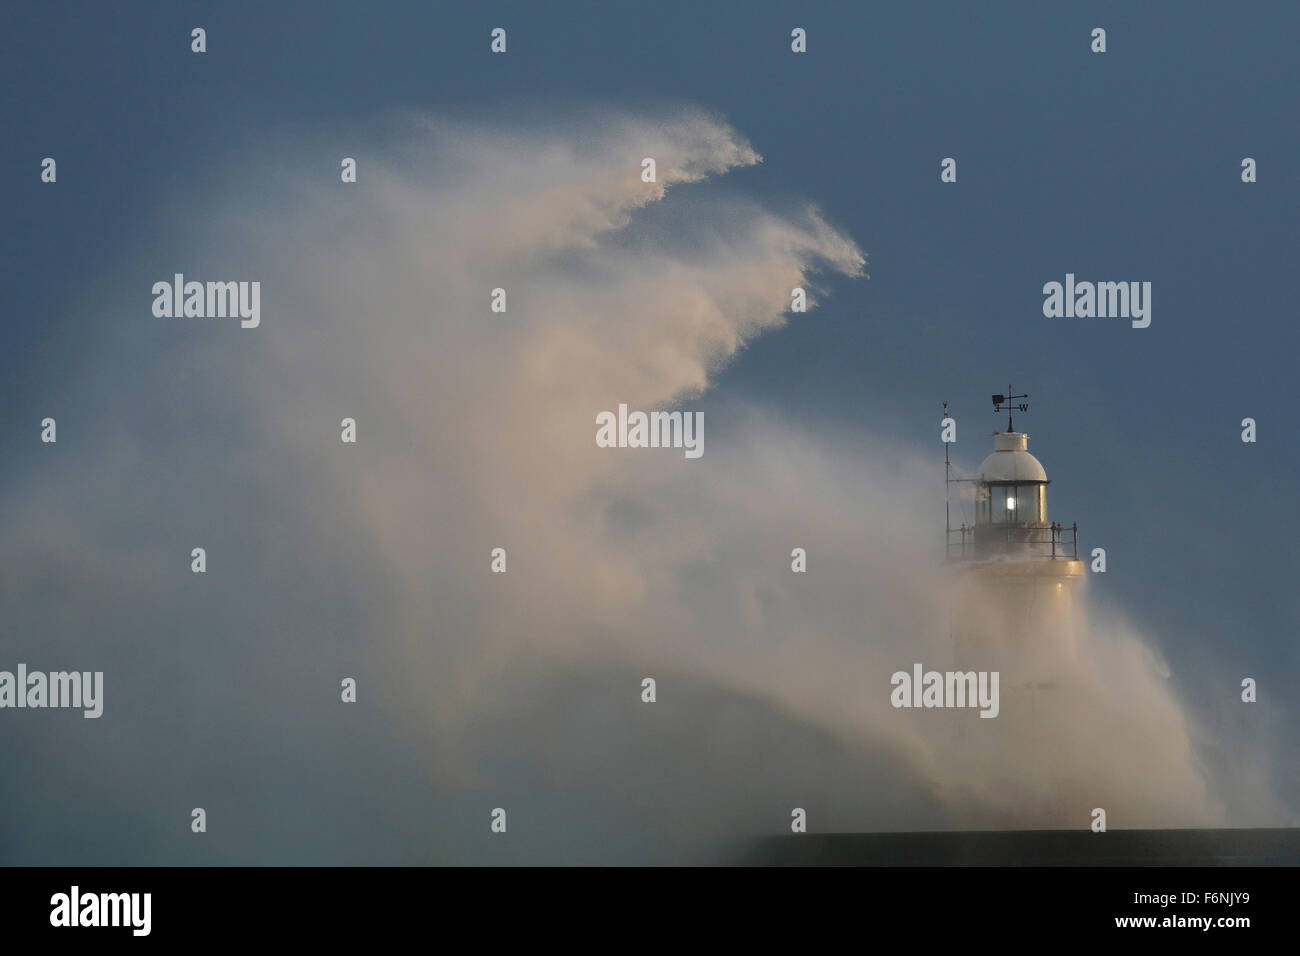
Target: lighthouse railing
(1049,541)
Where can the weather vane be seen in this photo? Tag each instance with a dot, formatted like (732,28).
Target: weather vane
(1006,403)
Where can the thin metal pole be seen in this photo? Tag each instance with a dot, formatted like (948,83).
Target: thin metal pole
(947,484)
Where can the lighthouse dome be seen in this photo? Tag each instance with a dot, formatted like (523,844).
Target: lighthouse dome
(1011,460)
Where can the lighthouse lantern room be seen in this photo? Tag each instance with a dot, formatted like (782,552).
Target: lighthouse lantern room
(1010,501)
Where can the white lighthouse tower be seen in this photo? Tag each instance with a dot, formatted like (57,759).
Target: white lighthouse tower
(1016,568)
(1071,734)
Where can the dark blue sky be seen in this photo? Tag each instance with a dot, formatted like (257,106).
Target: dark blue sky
(1122,166)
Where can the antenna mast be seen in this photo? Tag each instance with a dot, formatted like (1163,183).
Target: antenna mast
(947,482)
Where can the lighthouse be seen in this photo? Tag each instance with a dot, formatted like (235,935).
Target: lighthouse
(1016,569)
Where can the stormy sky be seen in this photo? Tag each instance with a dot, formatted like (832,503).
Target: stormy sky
(475,429)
